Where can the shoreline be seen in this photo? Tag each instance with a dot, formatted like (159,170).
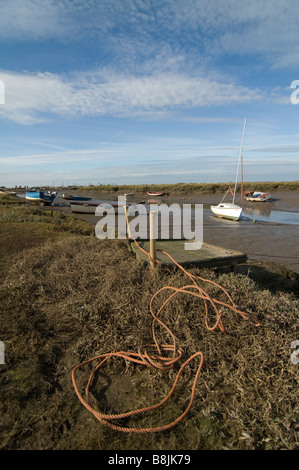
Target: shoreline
(282,199)
(272,242)
(265,242)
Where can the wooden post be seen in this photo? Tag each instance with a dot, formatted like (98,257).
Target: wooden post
(153,238)
(127,221)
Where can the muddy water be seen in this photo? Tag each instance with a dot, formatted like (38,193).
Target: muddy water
(272,216)
(268,232)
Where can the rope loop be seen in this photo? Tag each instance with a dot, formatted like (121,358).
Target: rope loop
(161,357)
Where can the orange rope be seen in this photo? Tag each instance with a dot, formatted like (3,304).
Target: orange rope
(157,358)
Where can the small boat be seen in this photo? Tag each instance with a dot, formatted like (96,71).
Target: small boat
(256,196)
(89,207)
(156,194)
(38,196)
(75,198)
(82,207)
(8,192)
(227,210)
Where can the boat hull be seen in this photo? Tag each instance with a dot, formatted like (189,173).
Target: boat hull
(227,211)
(39,197)
(257,196)
(82,207)
(76,198)
(156,194)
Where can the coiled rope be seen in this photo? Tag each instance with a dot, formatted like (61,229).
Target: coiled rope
(158,356)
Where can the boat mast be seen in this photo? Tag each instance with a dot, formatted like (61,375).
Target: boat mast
(240,160)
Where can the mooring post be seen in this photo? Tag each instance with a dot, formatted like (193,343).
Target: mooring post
(152,218)
(127,221)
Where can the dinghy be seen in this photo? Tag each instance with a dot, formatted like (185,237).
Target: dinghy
(155,194)
(89,207)
(75,198)
(38,196)
(256,196)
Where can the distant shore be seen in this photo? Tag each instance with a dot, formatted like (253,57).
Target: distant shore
(284,195)
(191,188)
(274,242)
(176,188)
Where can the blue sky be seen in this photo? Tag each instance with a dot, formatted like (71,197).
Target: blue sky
(147,91)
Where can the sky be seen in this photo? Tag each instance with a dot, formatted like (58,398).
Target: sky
(148,91)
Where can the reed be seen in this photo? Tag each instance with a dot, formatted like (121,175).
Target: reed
(192,188)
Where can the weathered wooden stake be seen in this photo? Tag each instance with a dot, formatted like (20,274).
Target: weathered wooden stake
(153,238)
(127,222)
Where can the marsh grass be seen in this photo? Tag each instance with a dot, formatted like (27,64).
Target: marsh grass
(191,188)
(8,199)
(66,297)
(25,226)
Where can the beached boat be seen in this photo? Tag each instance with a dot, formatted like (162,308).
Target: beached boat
(155,194)
(231,210)
(83,207)
(89,207)
(257,196)
(8,192)
(40,197)
(75,198)
(227,210)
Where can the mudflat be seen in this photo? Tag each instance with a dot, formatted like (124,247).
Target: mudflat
(257,235)
(262,234)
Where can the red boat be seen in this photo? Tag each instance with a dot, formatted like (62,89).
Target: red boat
(153,194)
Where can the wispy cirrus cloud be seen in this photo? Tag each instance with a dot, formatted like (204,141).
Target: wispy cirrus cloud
(132,31)
(261,28)
(34,20)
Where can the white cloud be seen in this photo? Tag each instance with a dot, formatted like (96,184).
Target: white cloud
(32,97)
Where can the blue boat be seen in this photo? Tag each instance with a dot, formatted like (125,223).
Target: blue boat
(75,198)
(40,197)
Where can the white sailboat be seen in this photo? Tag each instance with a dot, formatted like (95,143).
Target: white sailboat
(227,210)
(230,210)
